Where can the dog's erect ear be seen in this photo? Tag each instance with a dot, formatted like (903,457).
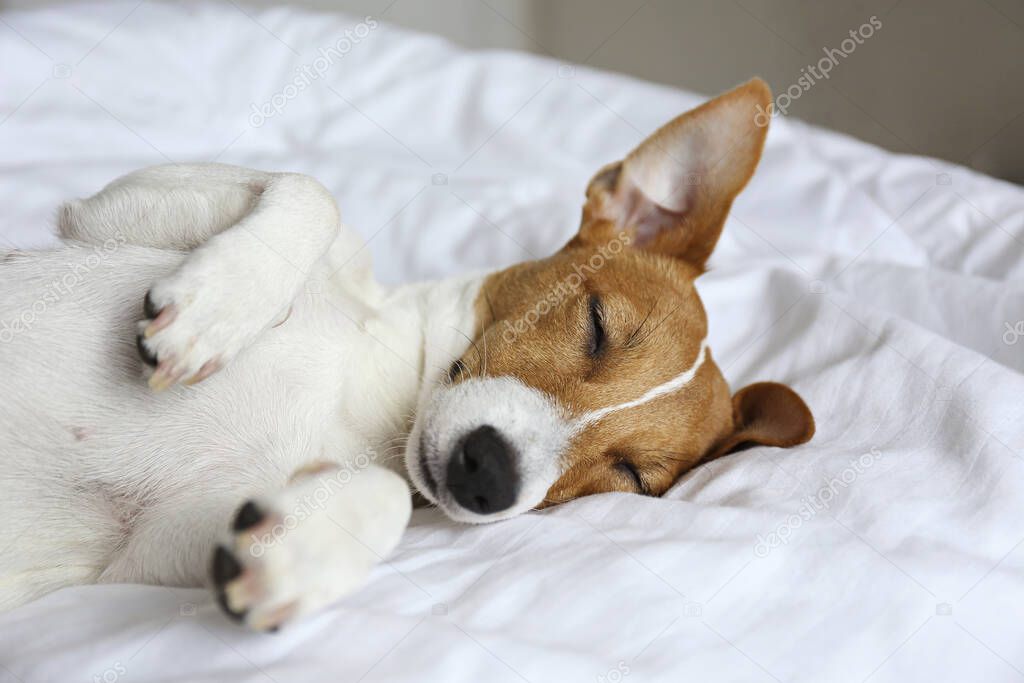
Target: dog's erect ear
(767,414)
(671,194)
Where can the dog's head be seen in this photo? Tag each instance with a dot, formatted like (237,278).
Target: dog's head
(589,370)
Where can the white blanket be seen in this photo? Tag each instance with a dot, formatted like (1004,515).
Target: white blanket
(888,290)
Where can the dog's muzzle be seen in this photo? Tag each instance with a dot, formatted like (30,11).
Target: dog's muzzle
(487,448)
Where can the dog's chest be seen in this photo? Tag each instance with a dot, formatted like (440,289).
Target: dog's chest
(320,386)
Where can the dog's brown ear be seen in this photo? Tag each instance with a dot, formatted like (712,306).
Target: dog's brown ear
(767,414)
(672,193)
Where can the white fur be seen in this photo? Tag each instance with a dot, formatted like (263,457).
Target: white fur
(322,536)
(103,480)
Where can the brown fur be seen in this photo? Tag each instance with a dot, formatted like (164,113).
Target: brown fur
(639,256)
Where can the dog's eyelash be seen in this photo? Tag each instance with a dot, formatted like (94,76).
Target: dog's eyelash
(457,368)
(598,339)
(630,469)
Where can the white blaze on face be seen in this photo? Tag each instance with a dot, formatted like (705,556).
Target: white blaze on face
(671,386)
(533,423)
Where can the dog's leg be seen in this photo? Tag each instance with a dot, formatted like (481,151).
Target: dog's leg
(254,238)
(311,543)
(172,206)
(238,283)
(56,533)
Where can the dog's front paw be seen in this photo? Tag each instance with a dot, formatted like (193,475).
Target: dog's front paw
(302,549)
(201,316)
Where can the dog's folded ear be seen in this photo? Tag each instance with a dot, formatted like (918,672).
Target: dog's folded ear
(672,194)
(766,414)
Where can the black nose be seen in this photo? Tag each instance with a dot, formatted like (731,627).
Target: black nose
(481,472)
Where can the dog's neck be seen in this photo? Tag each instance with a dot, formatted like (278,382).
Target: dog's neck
(415,332)
(447,321)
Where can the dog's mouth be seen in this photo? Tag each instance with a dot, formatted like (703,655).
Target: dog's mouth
(428,476)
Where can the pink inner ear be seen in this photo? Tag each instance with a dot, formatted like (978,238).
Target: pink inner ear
(668,167)
(673,192)
(647,217)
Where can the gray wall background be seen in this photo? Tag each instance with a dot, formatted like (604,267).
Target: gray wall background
(940,77)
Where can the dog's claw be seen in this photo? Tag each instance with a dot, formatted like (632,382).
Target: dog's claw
(162,319)
(209,368)
(271,622)
(226,572)
(147,356)
(169,369)
(165,376)
(222,600)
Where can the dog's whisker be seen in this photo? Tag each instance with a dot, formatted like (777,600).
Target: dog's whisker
(490,306)
(469,339)
(485,355)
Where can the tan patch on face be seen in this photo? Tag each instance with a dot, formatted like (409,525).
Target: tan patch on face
(536,324)
(650,222)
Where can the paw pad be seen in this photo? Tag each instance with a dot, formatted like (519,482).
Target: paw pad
(225,570)
(248,516)
(225,566)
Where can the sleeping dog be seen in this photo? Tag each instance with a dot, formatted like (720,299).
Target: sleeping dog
(205,385)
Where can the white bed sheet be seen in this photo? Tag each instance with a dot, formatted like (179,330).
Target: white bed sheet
(886,289)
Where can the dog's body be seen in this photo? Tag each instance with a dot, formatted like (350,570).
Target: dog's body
(323,394)
(111,482)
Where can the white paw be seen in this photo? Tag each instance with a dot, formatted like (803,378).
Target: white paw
(217,302)
(309,545)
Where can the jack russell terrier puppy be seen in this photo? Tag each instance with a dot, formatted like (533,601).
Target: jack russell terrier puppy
(284,476)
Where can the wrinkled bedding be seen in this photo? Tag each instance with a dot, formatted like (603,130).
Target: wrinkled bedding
(888,290)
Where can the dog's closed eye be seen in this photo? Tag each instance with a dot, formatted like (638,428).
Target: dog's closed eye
(630,470)
(597,340)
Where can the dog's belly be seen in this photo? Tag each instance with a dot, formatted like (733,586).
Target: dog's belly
(78,414)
